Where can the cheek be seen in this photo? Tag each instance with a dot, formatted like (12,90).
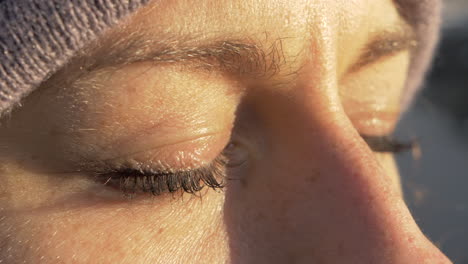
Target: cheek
(389,166)
(135,232)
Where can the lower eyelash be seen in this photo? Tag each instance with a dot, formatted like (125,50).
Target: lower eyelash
(131,181)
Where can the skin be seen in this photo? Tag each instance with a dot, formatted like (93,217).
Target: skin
(304,188)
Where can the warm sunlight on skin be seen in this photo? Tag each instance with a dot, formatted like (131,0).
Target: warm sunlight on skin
(286,86)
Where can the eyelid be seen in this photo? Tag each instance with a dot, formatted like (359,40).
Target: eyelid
(132,181)
(178,156)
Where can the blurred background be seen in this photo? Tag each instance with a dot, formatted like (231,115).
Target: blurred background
(435,177)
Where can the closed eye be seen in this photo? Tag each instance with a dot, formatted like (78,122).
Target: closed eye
(132,181)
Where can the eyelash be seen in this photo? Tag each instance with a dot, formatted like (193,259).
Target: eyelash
(132,181)
(387,144)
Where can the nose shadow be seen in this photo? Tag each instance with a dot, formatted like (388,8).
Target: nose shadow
(249,216)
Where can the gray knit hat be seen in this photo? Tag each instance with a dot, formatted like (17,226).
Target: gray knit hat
(38,37)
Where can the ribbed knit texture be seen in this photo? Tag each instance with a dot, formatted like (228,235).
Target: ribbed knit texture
(37,37)
(424,15)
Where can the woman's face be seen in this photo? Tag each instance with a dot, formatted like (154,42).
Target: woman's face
(268,98)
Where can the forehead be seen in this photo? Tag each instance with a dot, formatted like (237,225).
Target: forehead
(240,15)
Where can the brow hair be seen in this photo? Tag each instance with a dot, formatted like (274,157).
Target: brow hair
(386,44)
(245,57)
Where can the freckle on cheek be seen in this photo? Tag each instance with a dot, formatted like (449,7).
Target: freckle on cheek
(313,178)
(244,183)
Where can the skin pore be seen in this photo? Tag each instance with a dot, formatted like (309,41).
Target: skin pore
(288,86)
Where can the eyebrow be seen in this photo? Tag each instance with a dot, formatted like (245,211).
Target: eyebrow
(241,57)
(385,44)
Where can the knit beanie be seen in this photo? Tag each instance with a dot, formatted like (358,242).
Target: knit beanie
(38,37)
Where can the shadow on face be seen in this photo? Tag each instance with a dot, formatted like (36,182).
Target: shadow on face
(272,98)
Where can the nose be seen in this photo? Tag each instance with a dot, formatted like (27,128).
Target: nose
(317,194)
